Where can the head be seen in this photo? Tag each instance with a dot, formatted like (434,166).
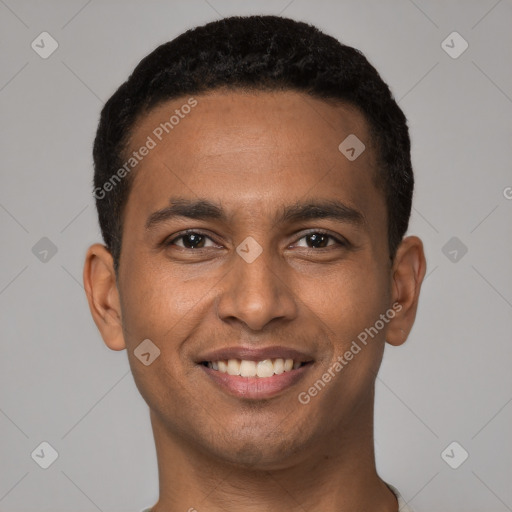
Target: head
(238,127)
(257,53)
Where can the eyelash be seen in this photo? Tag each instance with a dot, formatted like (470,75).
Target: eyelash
(340,242)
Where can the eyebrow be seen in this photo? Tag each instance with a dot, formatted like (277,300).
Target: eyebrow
(204,209)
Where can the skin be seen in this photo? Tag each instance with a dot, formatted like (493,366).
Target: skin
(256,153)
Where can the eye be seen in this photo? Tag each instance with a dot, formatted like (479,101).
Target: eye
(191,240)
(319,240)
(195,240)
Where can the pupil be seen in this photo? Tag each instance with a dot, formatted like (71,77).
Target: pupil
(316,237)
(193,237)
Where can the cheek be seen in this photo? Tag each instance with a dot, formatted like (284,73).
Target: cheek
(350,307)
(348,299)
(158,306)
(153,302)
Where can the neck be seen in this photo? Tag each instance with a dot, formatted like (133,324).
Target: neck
(335,474)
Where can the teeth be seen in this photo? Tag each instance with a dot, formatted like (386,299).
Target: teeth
(262,369)
(233,367)
(278,366)
(265,368)
(247,368)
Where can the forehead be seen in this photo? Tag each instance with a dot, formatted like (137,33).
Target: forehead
(219,121)
(251,152)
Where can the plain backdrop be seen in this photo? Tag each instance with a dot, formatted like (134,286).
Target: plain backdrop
(451,381)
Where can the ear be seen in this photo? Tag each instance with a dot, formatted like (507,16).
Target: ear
(103,296)
(409,267)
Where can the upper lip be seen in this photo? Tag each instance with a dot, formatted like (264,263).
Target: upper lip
(254,354)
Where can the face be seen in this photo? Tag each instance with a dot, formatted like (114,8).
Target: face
(249,236)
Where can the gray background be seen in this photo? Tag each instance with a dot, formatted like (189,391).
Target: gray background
(451,381)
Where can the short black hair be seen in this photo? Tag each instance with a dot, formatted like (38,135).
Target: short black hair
(254,53)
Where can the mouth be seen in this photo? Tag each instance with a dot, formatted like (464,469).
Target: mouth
(255,374)
(263,369)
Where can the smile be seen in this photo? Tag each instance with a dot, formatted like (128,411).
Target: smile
(261,369)
(255,380)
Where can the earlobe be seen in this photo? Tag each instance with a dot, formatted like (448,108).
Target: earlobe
(407,276)
(103,296)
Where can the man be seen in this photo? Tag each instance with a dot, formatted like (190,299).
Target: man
(253,183)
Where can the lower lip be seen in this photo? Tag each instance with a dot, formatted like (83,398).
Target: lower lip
(256,387)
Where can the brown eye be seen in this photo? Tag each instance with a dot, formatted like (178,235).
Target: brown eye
(320,240)
(190,240)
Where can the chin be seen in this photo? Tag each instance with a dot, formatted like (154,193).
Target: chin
(269,450)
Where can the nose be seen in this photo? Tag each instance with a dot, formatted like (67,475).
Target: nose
(256,293)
